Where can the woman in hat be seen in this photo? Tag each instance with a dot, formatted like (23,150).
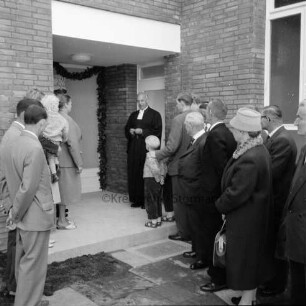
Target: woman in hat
(247,206)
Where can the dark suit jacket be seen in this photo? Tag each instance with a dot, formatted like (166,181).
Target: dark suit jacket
(191,172)
(293,231)
(282,149)
(219,148)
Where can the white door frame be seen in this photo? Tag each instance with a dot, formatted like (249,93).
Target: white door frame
(273,14)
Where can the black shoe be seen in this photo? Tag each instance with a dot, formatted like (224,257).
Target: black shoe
(236,300)
(134,205)
(266,292)
(212,287)
(176,237)
(199,264)
(190,254)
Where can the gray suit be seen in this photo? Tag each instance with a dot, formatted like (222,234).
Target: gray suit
(28,180)
(176,145)
(9,137)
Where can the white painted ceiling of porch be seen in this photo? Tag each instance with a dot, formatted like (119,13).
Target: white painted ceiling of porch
(103,53)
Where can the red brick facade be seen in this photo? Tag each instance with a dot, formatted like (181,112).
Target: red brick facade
(25,52)
(223,50)
(121,98)
(161,10)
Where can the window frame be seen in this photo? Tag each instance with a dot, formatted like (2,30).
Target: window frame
(273,13)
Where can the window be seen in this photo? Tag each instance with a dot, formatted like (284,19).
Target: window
(285,58)
(285,65)
(152,72)
(280,3)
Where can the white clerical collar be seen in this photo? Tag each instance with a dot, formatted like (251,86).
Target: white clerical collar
(215,124)
(19,123)
(31,133)
(141,112)
(197,135)
(274,131)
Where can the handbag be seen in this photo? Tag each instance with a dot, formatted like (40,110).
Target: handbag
(220,248)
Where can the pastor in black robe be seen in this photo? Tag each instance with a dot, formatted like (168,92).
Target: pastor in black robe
(151,124)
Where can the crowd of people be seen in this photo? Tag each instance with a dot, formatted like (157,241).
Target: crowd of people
(244,176)
(208,174)
(41,146)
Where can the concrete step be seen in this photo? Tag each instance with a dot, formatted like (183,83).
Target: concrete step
(105,223)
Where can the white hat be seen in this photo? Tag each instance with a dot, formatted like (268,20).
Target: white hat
(247,120)
(152,141)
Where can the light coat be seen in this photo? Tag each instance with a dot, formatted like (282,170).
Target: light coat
(70,160)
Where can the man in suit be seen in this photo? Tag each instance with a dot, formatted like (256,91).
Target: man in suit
(219,147)
(28,180)
(141,123)
(9,137)
(293,230)
(282,149)
(191,172)
(177,143)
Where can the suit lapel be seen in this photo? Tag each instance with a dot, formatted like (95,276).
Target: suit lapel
(194,146)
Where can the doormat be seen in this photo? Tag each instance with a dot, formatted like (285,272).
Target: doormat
(74,270)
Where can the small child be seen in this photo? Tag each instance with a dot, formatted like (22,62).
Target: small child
(154,173)
(55,132)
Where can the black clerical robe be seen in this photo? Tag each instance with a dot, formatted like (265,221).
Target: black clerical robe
(151,124)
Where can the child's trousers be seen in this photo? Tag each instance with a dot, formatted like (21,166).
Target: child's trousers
(152,198)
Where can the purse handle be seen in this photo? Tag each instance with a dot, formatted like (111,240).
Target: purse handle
(222,228)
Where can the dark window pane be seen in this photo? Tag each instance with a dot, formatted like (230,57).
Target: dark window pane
(285,65)
(279,3)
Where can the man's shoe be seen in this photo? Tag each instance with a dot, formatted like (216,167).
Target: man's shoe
(212,287)
(134,205)
(266,292)
(199,264)
(236,300)
(190,254)
(176,237)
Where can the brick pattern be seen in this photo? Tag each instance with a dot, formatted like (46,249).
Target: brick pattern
(223,50)
(161,10)
(25,53)
(121,95)
(173,85)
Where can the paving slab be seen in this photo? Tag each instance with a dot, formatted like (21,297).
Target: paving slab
(68,296)
(104,224)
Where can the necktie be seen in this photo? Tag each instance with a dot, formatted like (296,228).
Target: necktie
(191,143)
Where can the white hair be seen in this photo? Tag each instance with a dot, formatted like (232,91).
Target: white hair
(50,102)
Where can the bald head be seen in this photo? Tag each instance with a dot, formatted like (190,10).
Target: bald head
(300,121)
(142,100)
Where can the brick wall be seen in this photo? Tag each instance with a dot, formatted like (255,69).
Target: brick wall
(25,53)
(223,51)
(161,10)
(121,82)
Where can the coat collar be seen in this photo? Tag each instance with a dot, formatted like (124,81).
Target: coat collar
(30,134)
(277,133)
(299,177)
